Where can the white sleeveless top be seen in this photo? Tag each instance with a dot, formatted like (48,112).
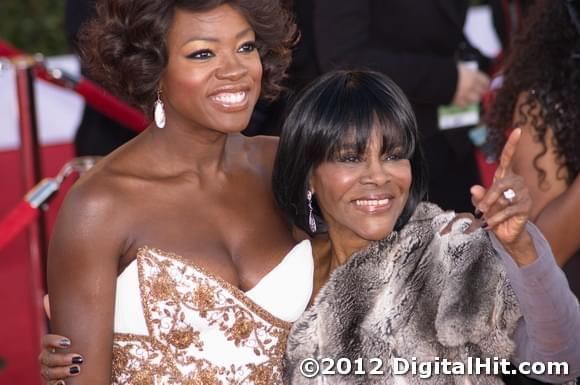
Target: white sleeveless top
(177,323)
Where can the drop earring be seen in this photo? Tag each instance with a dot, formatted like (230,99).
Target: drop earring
(159,112)
(311,220)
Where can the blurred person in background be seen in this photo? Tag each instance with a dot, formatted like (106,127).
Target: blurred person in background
(541,95)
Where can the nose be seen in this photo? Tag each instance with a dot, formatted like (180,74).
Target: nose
(375,172)
(231,68)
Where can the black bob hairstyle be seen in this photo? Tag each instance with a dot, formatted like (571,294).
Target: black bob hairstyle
(334,109)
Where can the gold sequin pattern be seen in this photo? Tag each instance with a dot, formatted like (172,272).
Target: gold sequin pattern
(181,302)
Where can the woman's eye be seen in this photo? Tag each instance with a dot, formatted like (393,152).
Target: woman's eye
(392,157)
(248,47)
(349,158)
(201,54)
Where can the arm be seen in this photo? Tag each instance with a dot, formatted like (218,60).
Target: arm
(555,205)
(342,34)
(550,328)
(551,316)
(559,222)
(82,268)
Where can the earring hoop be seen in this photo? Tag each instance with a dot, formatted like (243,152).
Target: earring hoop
(159,112)
(311,220)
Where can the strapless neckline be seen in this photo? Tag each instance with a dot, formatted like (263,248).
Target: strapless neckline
(231,288)
(177,322)
(203,270)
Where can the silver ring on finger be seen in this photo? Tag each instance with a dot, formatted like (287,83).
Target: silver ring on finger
(509,195)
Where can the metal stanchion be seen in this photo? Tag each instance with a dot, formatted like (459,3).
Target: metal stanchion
(25,213)
(31,172)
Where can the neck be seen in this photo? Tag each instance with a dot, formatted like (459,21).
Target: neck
(183,149)
(329,255)
(342,248)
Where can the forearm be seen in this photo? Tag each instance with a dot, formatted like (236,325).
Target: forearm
(79,313)
(550,329)
(559,222)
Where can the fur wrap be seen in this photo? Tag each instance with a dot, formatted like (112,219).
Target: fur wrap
(414,294)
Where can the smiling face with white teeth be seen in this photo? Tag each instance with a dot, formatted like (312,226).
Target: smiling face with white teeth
(213,75)
(351,139)
(361,194)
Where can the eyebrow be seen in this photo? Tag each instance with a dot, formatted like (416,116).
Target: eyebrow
(215,40)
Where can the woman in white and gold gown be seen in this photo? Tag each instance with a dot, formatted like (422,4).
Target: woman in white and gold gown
(176,322)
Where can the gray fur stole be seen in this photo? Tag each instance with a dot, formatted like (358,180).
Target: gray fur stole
(414,294)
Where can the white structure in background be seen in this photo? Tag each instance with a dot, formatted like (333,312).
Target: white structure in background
(60,110)
(479,30)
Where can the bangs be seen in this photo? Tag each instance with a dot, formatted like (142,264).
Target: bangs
(340,112)
(394,140)
(353,114)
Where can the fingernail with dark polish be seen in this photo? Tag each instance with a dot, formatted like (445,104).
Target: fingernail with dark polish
(65,342)
(74,370)
(477,213)
(484,225)
(77,360)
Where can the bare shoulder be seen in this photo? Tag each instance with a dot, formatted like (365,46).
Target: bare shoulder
(536,158)
(95,193)
(266,146)
(261,150)
(97,206)
(90,211)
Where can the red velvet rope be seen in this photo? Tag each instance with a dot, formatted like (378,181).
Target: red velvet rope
(7,50)
(94,95)
(17,220)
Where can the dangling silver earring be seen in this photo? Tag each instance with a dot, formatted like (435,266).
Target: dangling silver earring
(159,112)
(311,220)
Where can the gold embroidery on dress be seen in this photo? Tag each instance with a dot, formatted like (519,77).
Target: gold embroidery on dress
(175,294)
(203,298)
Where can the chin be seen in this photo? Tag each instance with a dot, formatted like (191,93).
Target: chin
(233,125)
(378,233)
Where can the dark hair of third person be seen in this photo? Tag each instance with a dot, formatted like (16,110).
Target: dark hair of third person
(541,63)
(334,109)
(125,48)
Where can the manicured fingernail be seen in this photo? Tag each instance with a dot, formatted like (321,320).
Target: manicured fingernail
(74,370)
(65,342)
(77,360)
(478,214)
(484,225)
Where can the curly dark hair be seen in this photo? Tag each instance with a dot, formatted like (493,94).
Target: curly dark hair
(124,47)
(541,66)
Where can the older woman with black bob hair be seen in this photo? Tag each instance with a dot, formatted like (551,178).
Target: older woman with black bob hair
(397,277)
